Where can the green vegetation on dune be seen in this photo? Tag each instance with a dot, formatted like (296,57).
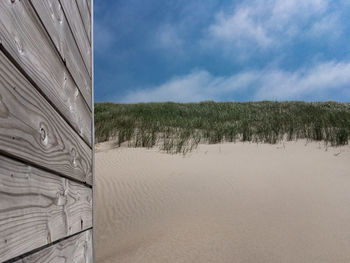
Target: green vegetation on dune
(178,127)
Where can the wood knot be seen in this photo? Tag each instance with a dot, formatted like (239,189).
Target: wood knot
(43,134)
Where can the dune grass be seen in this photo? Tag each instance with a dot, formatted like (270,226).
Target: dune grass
(179,127)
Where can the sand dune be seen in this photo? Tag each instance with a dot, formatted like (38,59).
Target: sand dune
(229,202)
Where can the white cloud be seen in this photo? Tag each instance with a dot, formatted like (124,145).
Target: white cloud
(239,29)
(316,82)
(192,87)
(261,24)
(196,86)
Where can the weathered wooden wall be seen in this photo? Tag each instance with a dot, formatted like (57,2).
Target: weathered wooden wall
(46,131)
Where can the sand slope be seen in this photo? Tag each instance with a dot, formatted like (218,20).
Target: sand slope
(237,203)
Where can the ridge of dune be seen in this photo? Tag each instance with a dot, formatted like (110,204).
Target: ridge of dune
(229,202)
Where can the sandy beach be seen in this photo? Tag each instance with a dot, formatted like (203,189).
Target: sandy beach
(231,202)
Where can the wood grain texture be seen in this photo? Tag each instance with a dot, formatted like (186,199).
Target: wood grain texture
(55,22)
(76,249)
(32,130)
(71,10)
(37,208)
(85,16)
(89,5)
(25,39)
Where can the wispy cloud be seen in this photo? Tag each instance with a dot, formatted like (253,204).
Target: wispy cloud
(257,25)
(239,29)
(195,86)
(324,81)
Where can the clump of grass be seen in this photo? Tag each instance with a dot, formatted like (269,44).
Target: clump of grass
(180,127)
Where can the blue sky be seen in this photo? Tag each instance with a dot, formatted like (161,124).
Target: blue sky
(195,50)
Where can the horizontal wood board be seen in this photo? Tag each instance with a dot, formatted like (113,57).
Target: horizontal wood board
(23,37)
(71,10)
(55,22)
(46,138)
(76,249)
(85,16)
(32,130)
(38,208)
(89,6)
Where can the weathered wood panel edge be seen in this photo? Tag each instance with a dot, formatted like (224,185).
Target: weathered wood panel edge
(93,132)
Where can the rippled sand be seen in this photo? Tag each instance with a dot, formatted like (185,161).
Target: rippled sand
(228,202)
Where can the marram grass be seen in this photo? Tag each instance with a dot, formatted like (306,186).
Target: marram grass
(179,127)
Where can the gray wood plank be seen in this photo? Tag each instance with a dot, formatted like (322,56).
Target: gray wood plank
(85,16)
(70,8)
(25,39)
(89,5)
(76,249)
(37,208)
(55,22)
(32,130)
